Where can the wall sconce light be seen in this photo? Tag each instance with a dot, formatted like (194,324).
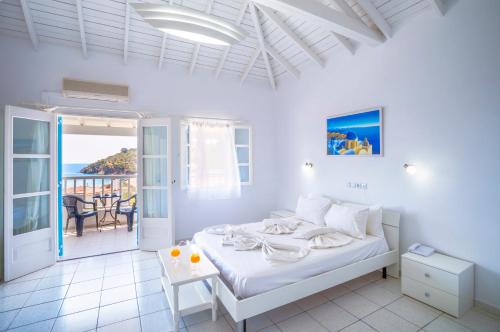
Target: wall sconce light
(308,165)
(410,168)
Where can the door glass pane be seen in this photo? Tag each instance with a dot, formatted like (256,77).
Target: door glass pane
(30,136)
(155,203)
(31,214)
(155,141)
(241,136)
(155,172)
(244,174)
(243,155)
(31,175)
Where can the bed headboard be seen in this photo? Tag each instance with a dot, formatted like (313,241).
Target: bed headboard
(390,223)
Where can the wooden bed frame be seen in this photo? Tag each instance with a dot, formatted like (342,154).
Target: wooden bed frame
(242,309)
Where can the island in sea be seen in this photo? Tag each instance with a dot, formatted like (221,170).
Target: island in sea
(121,163)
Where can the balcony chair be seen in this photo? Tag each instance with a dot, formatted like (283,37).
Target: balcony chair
(74,207)
(125,207)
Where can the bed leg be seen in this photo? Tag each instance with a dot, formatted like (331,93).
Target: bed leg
(384,272)
(241,326)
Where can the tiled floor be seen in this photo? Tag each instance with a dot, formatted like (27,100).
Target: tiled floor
(94,242)
(122,292)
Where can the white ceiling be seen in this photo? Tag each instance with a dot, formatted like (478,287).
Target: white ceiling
(103,28)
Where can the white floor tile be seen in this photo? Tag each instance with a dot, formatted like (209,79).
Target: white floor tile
(445,324)
(147,274)
(385,321)
(148,287)
(356,283)
(337,291)
(13,302)
(146,264)
(283,313)
(377,294)
(90,274)
(373,276)
(413,311)
(197,318)
(359,326)
(36,313)
(59,269)
(479,320)
(119,269)
(119,294)
(117,281)
(311,301)
(6,318)
(10,289)
(356,304)
(152,303)
(300,323)
(272,328)
(55,281)
(80,303)
(47,295)
(130,325)
(391,284)
(160,321)
(80,321)
(117,312)
(43,326)
(332,316)
(208,326)
(85,287)
(256,323)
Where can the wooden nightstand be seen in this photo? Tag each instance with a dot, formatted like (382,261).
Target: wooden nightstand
(281,214)
(441,281)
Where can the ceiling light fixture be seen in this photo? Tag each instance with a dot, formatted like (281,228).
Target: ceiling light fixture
(189,24)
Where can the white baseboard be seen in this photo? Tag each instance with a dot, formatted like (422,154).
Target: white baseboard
(487,307)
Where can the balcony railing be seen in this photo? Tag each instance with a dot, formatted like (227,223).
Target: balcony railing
(89,186)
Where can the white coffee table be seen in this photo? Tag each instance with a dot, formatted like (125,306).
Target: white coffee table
(184,289)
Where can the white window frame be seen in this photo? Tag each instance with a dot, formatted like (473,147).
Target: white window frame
(184,146)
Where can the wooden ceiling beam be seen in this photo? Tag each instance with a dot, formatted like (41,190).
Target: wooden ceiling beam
(250,65)
(79,10)
(28,19)
(163,45)
(281,59)
(327,17)
(376,17)
(196,50)
(262,43)
(438,7)
(290,34)
(222,60)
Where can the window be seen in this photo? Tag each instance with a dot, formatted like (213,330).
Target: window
(243,145)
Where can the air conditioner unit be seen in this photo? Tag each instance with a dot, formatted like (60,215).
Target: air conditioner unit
(94,90)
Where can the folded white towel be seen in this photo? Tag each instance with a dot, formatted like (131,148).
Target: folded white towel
(216,230)
(314,232)
(330,240)
(279,226)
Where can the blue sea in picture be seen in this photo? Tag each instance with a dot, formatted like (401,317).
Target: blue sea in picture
(355,134)
(74,170)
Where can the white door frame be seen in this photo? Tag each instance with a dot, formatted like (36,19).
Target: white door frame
(149,239)
(51,232)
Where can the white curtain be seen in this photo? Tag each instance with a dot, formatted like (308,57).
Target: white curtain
(213,170)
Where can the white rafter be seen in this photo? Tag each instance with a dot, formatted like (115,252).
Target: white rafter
(287,31)
(281,59)
(222,60)
(196,50)
(250,65)
(79,10)
(376,17)
(346,9)
(327,17)
(29,23)
(262,43)
(127,26)
(163,44)
(438,6)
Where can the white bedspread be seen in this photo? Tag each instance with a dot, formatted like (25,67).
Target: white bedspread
(249,274)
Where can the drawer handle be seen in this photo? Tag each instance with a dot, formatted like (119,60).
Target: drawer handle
(427,275)
(427,294)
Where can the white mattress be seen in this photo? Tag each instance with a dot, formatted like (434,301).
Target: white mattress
(250,274)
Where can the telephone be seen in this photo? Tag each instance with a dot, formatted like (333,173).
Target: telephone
(420,249)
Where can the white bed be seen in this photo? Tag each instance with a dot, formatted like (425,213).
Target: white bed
(249,274)
(258,289)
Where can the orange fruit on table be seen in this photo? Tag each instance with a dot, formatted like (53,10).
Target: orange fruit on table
(195,258)
(175,252)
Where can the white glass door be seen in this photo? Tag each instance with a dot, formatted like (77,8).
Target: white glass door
(30,195)
(156,229)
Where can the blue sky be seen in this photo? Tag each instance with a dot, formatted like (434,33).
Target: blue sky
(354,120)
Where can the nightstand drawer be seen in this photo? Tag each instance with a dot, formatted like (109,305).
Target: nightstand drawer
(432,296)
(431,276)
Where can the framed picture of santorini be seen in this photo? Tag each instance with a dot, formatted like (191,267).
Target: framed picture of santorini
(355,134)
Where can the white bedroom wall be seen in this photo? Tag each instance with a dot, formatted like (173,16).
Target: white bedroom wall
(170,92)
(439,80)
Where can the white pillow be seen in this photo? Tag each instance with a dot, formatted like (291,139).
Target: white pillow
(349,220)
(312,209)
(374,225)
